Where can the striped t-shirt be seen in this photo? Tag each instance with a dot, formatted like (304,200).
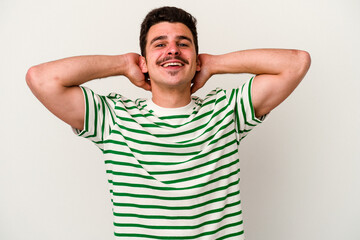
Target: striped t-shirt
(173,173)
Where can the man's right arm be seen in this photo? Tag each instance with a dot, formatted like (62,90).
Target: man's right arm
(56,84)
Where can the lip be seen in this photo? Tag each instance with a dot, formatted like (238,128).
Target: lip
(181,64)
(172,59)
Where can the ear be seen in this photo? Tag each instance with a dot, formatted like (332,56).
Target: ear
(142,64)
(198,64)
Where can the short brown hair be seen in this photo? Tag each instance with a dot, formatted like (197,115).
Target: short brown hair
(167,14)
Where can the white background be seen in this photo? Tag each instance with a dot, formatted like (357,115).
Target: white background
(299,170)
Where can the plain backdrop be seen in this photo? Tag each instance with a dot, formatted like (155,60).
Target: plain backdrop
(299,169)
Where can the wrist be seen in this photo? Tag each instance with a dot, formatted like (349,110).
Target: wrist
(121,65)
(127,63)
(208,64)
(214,62)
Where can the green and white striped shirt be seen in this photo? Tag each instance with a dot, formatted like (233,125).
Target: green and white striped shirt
(173,173)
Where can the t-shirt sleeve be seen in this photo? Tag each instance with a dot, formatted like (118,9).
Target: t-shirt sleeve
(245,118)
(98,119)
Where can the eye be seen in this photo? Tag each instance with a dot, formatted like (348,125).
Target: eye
(183,45)
(160,45)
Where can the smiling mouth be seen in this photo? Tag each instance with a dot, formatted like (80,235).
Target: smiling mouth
(169,61)
(170,64)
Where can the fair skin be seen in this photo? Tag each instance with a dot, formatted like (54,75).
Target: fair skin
(171,62)
(173,65)
(278,73)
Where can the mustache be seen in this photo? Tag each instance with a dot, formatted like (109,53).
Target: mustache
(167,58)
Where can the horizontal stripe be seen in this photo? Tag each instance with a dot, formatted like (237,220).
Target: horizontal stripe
(137,185)
(177,134)
(202,174)
(178,217)
(172,145)
(175,227)
(132,195)
(199,156)
(179,237)
(231,235)
(127,174)
(113,162)
(176,208)
(194,167)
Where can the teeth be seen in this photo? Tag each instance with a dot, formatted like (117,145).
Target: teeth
(172,64)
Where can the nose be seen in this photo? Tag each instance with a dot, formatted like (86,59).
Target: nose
(173,49)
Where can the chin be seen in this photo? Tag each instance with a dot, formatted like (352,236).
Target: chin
(171,84)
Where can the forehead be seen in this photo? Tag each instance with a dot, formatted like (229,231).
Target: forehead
(169,30)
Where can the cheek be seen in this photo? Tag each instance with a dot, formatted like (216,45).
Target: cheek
(154,58)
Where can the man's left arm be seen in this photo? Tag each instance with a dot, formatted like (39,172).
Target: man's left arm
(278,72)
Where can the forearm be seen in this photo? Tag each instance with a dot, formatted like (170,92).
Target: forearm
(278,72)
(75,71)
(259,61)
(56,83)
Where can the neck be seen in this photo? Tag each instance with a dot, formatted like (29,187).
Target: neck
(171,98)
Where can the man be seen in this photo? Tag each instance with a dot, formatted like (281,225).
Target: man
(172,161)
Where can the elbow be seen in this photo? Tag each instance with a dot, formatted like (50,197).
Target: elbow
(304,61)
(31,77)
(35,79)
(299,64)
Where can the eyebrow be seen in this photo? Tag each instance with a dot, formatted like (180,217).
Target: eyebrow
(163,37)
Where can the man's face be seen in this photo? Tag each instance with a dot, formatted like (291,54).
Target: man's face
(171,59)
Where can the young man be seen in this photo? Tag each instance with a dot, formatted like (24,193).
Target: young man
(172,161)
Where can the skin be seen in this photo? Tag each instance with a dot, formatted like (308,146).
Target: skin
(170,43)
(278,72)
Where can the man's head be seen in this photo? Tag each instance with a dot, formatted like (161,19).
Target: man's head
(167,14)
(169,49)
